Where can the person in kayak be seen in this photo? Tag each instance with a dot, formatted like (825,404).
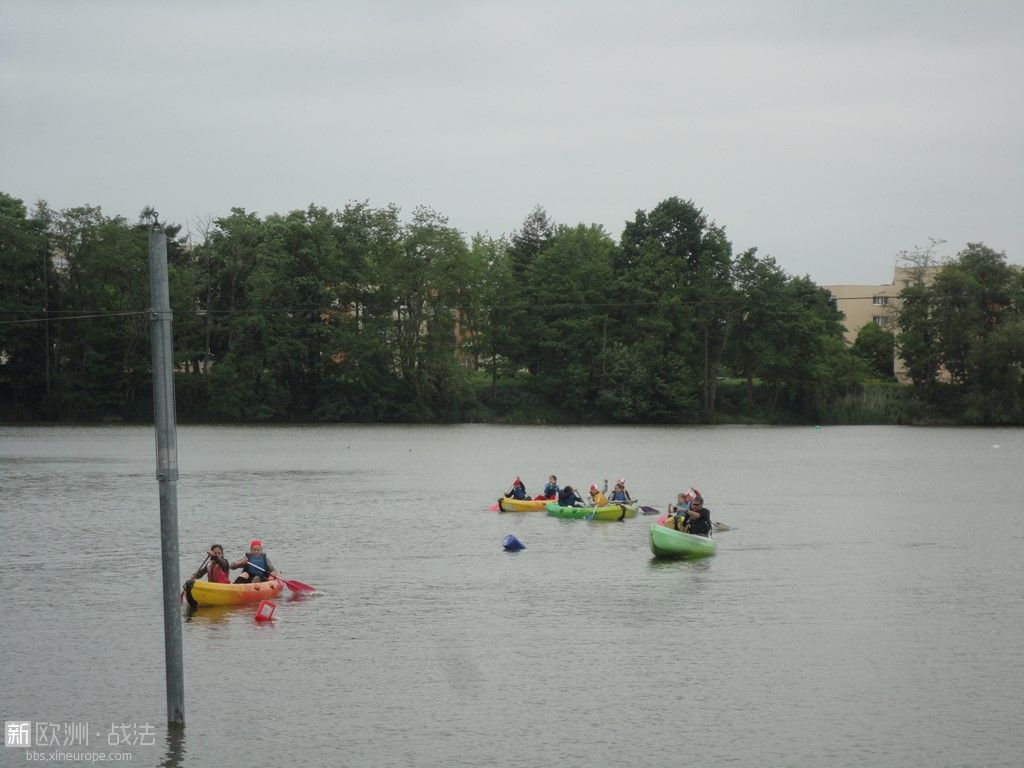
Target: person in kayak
(597,495)
(681,507)
(551,488)
(619,492)
(698,518)
(569,497)
(256,566)
(215,569)
(517,491)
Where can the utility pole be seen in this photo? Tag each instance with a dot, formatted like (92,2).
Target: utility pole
(166,469)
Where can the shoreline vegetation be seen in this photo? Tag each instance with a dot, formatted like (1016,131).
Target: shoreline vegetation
(356,316)
(878,403)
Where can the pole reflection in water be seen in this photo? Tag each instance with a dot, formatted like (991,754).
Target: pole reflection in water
(174,748)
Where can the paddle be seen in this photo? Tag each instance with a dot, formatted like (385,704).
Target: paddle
(181,597)
(622,506)
(292,584)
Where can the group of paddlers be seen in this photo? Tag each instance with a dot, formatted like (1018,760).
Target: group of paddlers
(567,496)
(688,514)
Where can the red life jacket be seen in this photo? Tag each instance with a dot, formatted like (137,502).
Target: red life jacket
(215,573)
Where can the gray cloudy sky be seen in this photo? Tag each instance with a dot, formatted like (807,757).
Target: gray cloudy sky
(829,135)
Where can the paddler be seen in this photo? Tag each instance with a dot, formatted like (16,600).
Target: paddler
(256,566)
(619,493)
(551,488)
(569,497)
(597,495)
(698,518)
(680,509)
(517,491)
(215,568)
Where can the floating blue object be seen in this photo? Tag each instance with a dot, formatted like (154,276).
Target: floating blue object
(512,544)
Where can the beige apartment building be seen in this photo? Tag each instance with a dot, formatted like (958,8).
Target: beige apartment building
(863,304)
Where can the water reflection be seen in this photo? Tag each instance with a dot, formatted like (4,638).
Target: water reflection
(174,748)
(689,564)
(215,614)
(219,614)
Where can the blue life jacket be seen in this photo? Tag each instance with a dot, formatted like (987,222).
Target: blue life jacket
(618,496)
(256,560)
(519,492)
(550,490)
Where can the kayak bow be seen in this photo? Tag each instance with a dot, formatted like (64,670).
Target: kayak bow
(668,542)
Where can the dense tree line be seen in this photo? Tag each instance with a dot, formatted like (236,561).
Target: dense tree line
(357,315)
(962,334)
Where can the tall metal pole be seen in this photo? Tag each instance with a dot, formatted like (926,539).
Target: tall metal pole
(166,471)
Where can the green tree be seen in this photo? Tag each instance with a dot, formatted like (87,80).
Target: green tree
(362,381)
(812,364)
(564,286)
(875,346)
(976,303)
(523,326)
(487,285)
(104,354)
(27,291)
(917,340)
(429,278)
(761,287)
(677,268)
(244,384)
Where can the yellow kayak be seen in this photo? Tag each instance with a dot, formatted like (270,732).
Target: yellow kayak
(211,593)
(524,505)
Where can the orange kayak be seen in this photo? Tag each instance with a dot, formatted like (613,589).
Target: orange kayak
(211,593)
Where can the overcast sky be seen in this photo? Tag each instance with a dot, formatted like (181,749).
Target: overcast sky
(831,136)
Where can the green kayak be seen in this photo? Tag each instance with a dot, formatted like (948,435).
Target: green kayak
(569,513)
(667,542)
(607,512)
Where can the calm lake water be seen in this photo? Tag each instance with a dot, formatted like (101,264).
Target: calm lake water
(866,610)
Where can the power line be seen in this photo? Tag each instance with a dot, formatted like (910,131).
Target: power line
(54,316)
(72,317)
